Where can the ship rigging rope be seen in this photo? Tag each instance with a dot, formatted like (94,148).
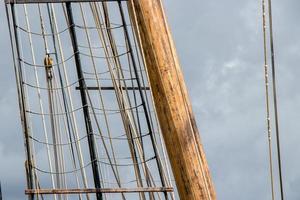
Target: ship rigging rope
(80,108)
(38,92)
(43,66)
(99,47)
(101,36)
(276,113)
(118,91)
(123,69)
(274,87)
(41,34)
(89,97)
(55,88)
(57,127)
(65,30)
(105,57)
(58,155)
(69,97)
(15,55)
(74,83)
(70,57)
(95,27)
(99,161)
(266,76)
(68,122)
(121,137)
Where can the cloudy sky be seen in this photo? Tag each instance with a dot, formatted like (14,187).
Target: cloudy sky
(220,48)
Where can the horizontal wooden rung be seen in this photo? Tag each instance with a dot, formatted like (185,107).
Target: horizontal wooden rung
(101,190)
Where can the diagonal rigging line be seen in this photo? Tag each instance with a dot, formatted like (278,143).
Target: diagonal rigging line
(275,99)
(120,93)
(62,114)
(68,121)
(72,116)
(41,107)
(98,17)
(266,73)
(127,117)
(116,173)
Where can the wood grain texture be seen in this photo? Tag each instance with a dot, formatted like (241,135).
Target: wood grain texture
(172,103)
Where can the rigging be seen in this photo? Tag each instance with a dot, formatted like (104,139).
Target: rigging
(274,90)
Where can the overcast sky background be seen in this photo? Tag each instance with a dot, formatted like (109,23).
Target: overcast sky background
(220,48)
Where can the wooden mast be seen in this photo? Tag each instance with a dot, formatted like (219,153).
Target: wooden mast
(172,102)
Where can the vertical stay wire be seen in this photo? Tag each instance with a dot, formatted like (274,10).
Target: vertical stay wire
(20,89)
(37,82)
(100,95)
(275,99)
(69,95)
(122,101)
(98,24)
(122,96)
(266,75)
(97,18)
(68,120)
(57,154)
(84,101)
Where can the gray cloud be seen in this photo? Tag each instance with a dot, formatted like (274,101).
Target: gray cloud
(220,46)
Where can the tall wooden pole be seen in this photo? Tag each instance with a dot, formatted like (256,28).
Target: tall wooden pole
(172,103)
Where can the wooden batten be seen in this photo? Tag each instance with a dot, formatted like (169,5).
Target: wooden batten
(172,103)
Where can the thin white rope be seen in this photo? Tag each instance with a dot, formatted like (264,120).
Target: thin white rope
(100,93)
(70,100)
(122,105)
(41,107)
(267,96)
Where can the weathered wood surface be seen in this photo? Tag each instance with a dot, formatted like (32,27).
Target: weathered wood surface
(102,190)
(172,103)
